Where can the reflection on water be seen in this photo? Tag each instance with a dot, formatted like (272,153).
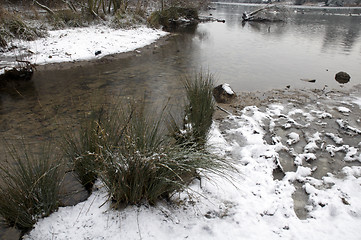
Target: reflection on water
(313,44)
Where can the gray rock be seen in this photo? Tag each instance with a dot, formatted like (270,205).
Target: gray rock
(9,233)
(342,77)
(223,93)
(72,192)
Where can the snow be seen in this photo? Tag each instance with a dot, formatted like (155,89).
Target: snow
(293,138)
(250,204)
(335,138)
(227,88)
(343,109)
(358,101)
(78,44)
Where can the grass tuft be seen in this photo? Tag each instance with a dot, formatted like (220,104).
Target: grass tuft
(82,148)
(146,166)
(30,186)
(130,151)
(198,112)
(85,148)
(138,177)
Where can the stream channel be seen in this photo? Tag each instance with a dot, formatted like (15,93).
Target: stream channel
(314,44)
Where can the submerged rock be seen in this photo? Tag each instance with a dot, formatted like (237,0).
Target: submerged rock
(72,192)
(342,77)
(9,233)
(224,93)
(19,74)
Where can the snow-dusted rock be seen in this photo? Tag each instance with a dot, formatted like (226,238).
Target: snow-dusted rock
(223,93)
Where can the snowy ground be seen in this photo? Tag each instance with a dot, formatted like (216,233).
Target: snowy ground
(254,204)
(79,44)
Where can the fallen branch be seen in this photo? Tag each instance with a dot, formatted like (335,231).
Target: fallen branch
(28,64)
(70,5)
(272,13)
(224,110)
(44,7)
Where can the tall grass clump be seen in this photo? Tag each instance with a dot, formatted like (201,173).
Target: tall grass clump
(198,111)
(130,151)
(137,177)
(29,186)
(100,129)
(146,166)
(82,148)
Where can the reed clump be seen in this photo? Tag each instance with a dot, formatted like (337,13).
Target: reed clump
(198,112)
(139,159)
(147,165)
(30,185)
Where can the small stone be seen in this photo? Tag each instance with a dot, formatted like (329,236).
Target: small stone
(98,52)
(9,233)
(72,192)
(342,77)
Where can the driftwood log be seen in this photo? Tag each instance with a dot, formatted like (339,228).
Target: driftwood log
(270,13)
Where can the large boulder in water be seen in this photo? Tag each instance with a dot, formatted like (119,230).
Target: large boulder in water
(223,93)
(342,77)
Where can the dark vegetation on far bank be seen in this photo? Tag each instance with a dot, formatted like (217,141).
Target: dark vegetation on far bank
(29,20)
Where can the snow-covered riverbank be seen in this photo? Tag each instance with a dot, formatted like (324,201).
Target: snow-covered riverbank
(254,204)
(78,44)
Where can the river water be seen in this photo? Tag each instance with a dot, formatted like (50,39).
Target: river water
(314,44)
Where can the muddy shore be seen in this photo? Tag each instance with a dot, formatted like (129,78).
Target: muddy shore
(318,129)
